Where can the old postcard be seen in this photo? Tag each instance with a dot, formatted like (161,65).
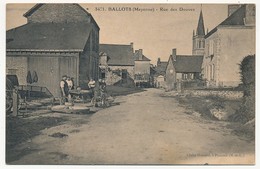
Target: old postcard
(95,83)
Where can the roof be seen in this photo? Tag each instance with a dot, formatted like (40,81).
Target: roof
(235,19)
(50,36)
(37,6)
(121,55)
(188,63)
(200,27)
(161,69)
(144,58)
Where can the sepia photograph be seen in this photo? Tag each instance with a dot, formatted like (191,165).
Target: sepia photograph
(130,84)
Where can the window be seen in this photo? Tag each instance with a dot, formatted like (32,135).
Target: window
(103,75)
(211,47)
(212,72)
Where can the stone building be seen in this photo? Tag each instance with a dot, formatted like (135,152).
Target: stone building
(227,44)
(182,68)
(58,39)
(141,69)
(160,73)
(117,64)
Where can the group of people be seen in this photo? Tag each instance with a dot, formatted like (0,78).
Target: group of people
(98,90)
(66,85)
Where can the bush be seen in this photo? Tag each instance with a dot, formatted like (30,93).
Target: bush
(247,71)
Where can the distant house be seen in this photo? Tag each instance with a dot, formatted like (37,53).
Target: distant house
(227,44)
(159,76)
(58,39)
(141,69)
(182,68)
(117,64)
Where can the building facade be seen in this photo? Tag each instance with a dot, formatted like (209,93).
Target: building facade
(159,76)
(58,39)
(141,69)
(226,46)
(182,68)
(117,64)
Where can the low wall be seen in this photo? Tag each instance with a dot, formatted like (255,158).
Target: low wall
(222,94)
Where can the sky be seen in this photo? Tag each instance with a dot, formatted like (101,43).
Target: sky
(157,32)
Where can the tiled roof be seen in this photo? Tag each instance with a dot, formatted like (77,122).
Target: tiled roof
(119,54)
(144,58)
(49,36)
(188,63)
(236,18)
(161,69)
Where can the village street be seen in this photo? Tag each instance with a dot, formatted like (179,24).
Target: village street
(141,128)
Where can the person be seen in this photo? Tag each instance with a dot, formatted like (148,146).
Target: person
(70,83)
(64,89)
(70,87)
(91,86)
(103,92)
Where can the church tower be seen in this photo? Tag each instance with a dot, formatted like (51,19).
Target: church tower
(198,40)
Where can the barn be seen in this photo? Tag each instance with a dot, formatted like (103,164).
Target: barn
(58,39)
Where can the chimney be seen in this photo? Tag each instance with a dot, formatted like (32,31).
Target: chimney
(159,61)
(249,19)
(132,46)
(140,54)
(174,54)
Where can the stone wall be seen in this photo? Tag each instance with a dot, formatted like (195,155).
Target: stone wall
(113,73)
(222,94)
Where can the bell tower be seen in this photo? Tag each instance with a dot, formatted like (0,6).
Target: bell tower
(198,38)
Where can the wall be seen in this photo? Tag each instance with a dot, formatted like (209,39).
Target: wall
(20,64)
(59,13)
(231,45)
(142,67)
(51,73)
(170,75)
(89,59)
(235,45)
(211,59)
(112,78)
(160,81)
(198,43)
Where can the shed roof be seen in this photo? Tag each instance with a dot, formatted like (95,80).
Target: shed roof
(121,55)
(188,63)
(49,36)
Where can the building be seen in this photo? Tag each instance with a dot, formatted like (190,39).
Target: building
(198,38)
(227,44)
(160,73)
(117,64)
(58,39)
(182,68)
(141,69)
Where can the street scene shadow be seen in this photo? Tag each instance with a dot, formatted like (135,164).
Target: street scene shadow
(19,130)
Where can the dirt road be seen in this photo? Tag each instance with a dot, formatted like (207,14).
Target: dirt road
(142,128)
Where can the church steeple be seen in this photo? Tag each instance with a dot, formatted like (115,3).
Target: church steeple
(198,39)
(200,27)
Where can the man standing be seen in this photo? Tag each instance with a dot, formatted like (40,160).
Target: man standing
(64,89)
